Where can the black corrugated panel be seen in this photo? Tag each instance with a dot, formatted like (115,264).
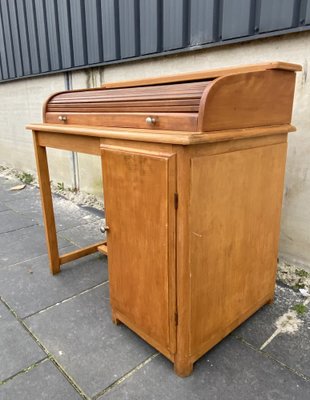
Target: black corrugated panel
(45,36)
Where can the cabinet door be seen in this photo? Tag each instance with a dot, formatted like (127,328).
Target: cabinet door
(139,193)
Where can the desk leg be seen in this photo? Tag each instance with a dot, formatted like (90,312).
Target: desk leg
(47,206)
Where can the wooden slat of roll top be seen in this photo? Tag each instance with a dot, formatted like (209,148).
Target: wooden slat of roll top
(182,105)
(180,97)
(137,93)
(175,106)
(151,103)
(169,121)
(94,108)
(93,96)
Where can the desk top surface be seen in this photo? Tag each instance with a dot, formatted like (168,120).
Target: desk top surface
(172,137)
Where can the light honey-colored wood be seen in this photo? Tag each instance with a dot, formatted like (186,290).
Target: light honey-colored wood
(79,143)
(47,205)
(83,143)
(193,205)
(208,74)
(142,135)
(246,100)
(148,240)
(103,248)
(185,122)
(74,255)
(234,230)
(195,105)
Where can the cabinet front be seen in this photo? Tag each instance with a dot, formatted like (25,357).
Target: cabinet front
(139,190)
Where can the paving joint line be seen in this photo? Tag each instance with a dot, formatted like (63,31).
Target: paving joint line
(50,356)
(62,234)
(34,258)
(19,229)
(65,300)
(124,377)
(271,357)
(9,208)
(24,370)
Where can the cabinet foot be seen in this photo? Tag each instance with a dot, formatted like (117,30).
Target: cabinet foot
(115,320)
(271,300)
(183,368)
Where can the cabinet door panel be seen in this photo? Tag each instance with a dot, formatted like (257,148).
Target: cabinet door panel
(139,202)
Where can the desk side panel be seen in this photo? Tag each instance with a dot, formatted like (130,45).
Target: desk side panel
(235,208)
(246,100)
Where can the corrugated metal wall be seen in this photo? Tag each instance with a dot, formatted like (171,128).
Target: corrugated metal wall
(44,36)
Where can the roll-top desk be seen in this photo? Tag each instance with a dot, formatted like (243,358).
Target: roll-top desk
(193,170)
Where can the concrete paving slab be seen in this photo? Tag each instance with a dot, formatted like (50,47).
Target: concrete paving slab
(6,195)
(84,235)
(11,221)
(67,214)
(3,207)
(29,287)
(257,329)
(30,206)
(293,350)
(43,382)
(83,339)
(230,371)
(24,244)
(17,348)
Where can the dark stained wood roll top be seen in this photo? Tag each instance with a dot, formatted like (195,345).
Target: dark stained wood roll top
(183,97)
(236,98)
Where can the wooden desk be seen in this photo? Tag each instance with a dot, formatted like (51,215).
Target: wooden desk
(193,216)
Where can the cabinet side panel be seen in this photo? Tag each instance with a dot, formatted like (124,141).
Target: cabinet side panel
(235,208)
(139,192)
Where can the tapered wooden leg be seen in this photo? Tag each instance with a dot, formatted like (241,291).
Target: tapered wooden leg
(183,367)
(47,205)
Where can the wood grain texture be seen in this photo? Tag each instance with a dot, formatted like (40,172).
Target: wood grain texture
(141,239)
(47,206)
(85,251)
(193,204)
(248,100)
(235,208)
(146,135)
(183,365)
(172,121)
(79,143)
(132,97)
(259,95)
(103,248)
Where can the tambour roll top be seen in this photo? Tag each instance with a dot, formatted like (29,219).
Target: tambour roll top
(232,98)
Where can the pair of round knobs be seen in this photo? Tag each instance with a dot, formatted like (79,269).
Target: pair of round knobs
(148,120)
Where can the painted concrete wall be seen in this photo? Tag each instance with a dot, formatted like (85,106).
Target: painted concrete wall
(21,102)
